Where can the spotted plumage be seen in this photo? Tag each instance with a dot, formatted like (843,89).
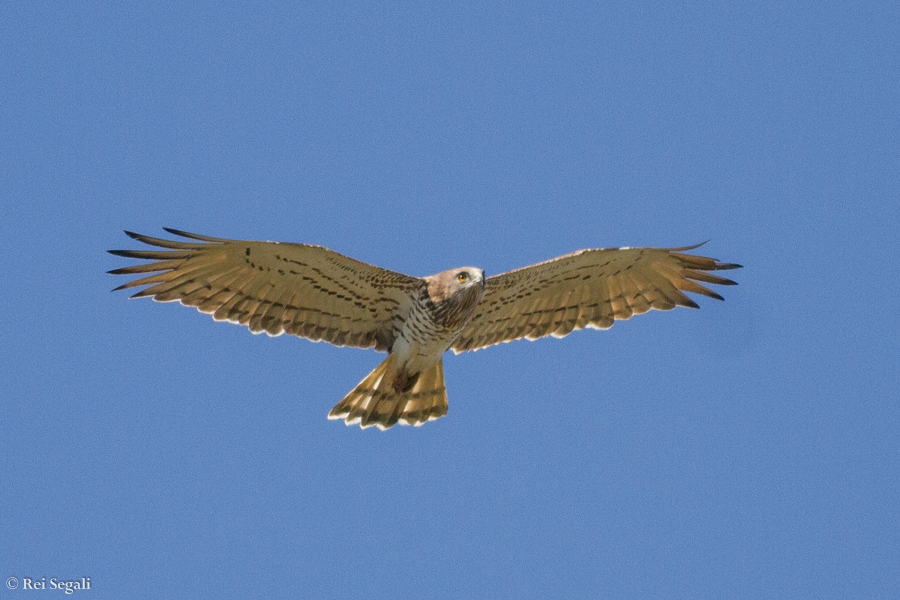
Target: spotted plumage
(316,293)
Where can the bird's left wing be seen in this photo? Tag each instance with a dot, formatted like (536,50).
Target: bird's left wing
(304,290)
(588,288)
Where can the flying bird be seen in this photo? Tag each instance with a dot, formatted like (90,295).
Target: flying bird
(315,293)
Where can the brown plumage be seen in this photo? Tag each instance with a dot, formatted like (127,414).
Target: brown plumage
(312,292)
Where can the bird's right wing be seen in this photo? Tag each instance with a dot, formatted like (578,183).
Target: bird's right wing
(299,289)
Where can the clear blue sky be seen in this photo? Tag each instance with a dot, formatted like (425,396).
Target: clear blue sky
(749,449)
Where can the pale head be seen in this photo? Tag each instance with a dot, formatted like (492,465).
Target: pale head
(455,294)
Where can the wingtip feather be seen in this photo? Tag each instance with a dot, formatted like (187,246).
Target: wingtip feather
(194,236)
(691,247)
(728,266)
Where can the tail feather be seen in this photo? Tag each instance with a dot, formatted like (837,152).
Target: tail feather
(374,401)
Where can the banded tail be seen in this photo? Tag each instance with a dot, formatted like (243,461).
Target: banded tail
(376,401)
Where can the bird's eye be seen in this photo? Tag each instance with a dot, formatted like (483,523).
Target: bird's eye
(462,277)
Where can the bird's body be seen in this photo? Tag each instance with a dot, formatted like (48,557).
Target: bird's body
(313,292)
(430,322)
(408,387)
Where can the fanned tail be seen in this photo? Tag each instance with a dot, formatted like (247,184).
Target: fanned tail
(374,401)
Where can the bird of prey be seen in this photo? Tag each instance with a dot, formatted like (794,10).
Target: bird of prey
(313,292)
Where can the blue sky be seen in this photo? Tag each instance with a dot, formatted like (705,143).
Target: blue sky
(746,450)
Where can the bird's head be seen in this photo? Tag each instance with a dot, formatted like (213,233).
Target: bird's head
(468,277)
(456,293)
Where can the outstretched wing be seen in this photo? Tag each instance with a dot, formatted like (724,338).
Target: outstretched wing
(307,291)
(588,288)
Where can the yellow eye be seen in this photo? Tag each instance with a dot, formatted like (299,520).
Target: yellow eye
(462,277)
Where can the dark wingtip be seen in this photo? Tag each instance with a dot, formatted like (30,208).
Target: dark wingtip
(186,234)
(195,236)
(686,248)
